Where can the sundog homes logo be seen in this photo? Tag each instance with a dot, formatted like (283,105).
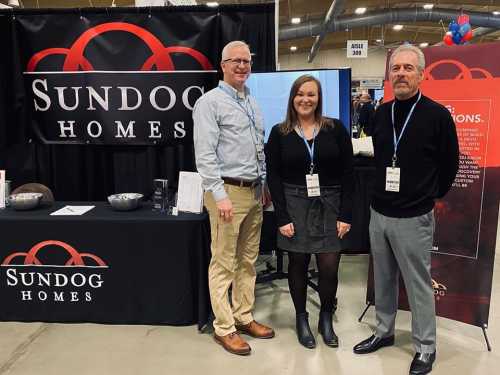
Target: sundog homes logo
(78,104)
(439,289)
(68,283)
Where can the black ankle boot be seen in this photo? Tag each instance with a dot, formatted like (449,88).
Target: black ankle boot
(304,333)
(325,328)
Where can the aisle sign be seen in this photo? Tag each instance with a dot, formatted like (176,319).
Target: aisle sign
(357,49)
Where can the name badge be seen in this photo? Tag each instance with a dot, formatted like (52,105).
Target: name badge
(312,183)
(392,179)
(260,152)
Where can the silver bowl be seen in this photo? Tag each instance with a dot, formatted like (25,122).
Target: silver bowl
(125,201)
(25,201)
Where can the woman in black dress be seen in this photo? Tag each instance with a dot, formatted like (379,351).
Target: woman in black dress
(309,172)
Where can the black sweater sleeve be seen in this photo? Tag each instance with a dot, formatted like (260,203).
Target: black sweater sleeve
(274,180)
(347,179)
(448,150)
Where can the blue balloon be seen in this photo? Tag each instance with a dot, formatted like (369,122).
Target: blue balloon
(453,26)
(457,38)
(464,29)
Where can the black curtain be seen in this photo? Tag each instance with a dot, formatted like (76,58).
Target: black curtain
(91,172)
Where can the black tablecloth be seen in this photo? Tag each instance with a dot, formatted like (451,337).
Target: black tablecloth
(357,241)
(137,267)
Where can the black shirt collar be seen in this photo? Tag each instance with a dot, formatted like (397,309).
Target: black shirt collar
(401,110)
(407,103)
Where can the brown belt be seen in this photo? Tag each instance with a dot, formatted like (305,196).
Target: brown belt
(240,183)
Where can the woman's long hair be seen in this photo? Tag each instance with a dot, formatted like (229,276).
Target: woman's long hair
(291,114)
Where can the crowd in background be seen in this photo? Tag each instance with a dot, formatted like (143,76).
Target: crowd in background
(363,111)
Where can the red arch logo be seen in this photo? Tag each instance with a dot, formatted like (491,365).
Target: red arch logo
(465,72)
(76,258)
(160,57)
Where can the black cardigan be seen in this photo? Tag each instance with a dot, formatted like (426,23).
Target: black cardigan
(287,160)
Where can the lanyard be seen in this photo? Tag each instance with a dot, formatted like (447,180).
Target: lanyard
(310,149)
(251,116)
(396,141)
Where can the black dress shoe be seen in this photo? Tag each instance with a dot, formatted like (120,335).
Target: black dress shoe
(372,344)
(304,333)
(325,328)
(422,363)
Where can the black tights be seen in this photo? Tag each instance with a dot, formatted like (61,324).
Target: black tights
(328,266)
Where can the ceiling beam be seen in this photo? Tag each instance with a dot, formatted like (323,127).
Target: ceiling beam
(335,8)
(386,16)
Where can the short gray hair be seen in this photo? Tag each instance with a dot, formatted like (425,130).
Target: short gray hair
(230,46)
(410,48)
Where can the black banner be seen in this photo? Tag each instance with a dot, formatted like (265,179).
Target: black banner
(116,108)
(134,59)
(105,57)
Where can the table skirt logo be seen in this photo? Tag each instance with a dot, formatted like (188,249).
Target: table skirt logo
(75,280)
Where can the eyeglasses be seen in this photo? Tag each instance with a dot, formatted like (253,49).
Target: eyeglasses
(237,62)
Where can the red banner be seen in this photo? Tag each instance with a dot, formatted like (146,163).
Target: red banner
(466,219)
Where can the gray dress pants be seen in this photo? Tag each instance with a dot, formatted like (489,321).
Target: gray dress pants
(403,245)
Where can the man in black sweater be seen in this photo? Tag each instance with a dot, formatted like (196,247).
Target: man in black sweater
(416,155)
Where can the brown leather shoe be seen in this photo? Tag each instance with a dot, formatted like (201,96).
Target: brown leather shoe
(257,330)
(233,343)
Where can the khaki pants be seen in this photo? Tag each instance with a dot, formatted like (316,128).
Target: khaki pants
(235,247)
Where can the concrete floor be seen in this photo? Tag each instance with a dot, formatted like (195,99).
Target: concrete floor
(63,349)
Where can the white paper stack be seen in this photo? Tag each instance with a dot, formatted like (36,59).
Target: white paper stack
(190,193)
(2,189)
(72,210)
(363,146)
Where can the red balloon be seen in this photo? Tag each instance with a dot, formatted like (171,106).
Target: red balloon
(463,19)
(468,36)
(448,40)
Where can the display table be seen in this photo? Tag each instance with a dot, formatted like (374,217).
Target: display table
(137,267)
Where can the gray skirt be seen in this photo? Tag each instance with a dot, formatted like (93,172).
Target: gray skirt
(314,220)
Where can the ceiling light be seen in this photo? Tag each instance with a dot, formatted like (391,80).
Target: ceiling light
(428,6)
(212,4)
(397,27)
(293,48)
(378,40)
(424,44)
(295,20)
(360,10)
(496,13)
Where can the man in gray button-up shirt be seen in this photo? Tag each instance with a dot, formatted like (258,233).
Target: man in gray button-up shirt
(228,127)
(229,142)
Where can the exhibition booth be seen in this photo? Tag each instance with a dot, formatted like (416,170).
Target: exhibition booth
(95,102)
